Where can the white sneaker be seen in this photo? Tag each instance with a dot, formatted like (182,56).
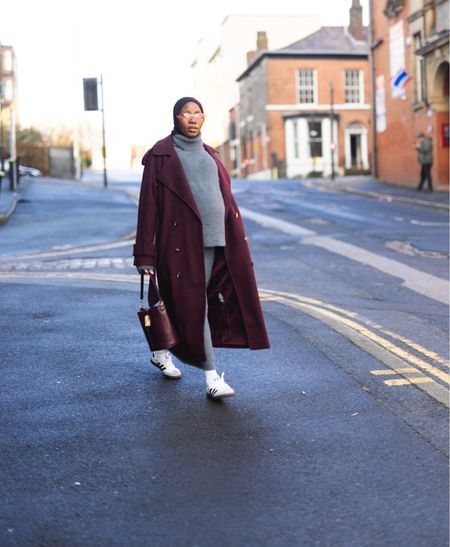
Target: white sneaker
(163,360)
(217,388)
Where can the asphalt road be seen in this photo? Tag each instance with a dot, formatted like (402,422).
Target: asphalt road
(337,436)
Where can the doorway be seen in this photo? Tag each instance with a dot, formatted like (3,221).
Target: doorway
(356,149)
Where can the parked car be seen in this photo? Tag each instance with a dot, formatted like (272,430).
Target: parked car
(23,170)
(29,171)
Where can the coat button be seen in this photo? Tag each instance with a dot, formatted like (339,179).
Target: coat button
(177,249)
(246,238)
(237,215)
(178,275)
(174,222)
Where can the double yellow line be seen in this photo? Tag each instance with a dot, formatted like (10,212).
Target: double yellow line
(414,363)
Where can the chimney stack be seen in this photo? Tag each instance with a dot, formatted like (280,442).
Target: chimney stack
(356,28)
(262,44)
(261,40)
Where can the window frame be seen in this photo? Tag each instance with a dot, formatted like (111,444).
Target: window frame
(313,87)
(352,88)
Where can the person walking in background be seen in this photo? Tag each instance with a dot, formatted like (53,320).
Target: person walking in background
(190,235)
(424,149)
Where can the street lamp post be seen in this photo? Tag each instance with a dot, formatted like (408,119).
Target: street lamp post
(373,45)
(332,143)
(105,176)
(264,144)
(12,147)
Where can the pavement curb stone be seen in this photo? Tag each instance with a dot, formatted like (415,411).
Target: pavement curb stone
(8,208)
(386,191)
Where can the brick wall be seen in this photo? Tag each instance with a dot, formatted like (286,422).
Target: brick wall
(274,82)
(405,117)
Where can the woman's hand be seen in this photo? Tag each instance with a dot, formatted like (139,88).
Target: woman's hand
(145,269)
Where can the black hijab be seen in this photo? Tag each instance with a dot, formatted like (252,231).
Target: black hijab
(177,109)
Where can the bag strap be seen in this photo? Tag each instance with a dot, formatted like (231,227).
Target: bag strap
(151,284)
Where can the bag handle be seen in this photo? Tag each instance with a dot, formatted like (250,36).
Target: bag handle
(151,283)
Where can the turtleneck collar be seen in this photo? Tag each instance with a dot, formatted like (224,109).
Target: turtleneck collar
(187,143)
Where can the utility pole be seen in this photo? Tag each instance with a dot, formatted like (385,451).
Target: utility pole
(105,176)
(332,143)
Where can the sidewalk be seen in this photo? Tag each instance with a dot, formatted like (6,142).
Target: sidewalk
(8,199)
(372,188)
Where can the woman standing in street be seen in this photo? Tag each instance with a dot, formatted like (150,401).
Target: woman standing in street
(191,235)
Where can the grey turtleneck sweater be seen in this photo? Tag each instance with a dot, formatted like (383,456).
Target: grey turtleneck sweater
(203,177)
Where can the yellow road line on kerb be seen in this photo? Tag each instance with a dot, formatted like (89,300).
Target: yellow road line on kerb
(384,351)
(375,337)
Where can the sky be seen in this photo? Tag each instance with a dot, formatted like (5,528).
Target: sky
(142,48)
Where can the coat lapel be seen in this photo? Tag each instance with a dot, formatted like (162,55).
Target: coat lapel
(172,174)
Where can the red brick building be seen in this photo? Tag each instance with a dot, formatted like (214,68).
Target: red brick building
(305,109)
(410,48)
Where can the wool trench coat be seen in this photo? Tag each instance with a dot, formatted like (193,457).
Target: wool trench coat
(169,235)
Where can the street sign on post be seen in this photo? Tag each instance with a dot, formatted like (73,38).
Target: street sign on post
(90,93)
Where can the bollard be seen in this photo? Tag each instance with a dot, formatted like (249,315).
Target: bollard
(17,171)
(12,175)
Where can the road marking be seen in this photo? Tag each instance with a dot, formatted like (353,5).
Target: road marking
(90,276)
(369,335)
(420,223)
(407,381)
(406,341)
(416,280)
(388,372)
(283,226)
(126,242)
(340,320)
(383,350)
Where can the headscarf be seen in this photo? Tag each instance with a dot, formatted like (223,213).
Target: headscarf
(177,109)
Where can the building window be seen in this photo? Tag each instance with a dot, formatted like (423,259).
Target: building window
(307,85)
(353,86)
(295,139)
(7,90)
(7,60)
(315,139)
(419,69)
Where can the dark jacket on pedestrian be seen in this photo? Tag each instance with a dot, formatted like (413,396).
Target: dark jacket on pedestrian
(425,151)
(169,235)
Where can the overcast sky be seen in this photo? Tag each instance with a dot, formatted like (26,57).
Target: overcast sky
(143,49)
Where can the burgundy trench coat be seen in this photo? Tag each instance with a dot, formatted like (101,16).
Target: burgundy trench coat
(169,236)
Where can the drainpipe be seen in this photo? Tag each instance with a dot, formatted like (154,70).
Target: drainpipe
(372,46)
